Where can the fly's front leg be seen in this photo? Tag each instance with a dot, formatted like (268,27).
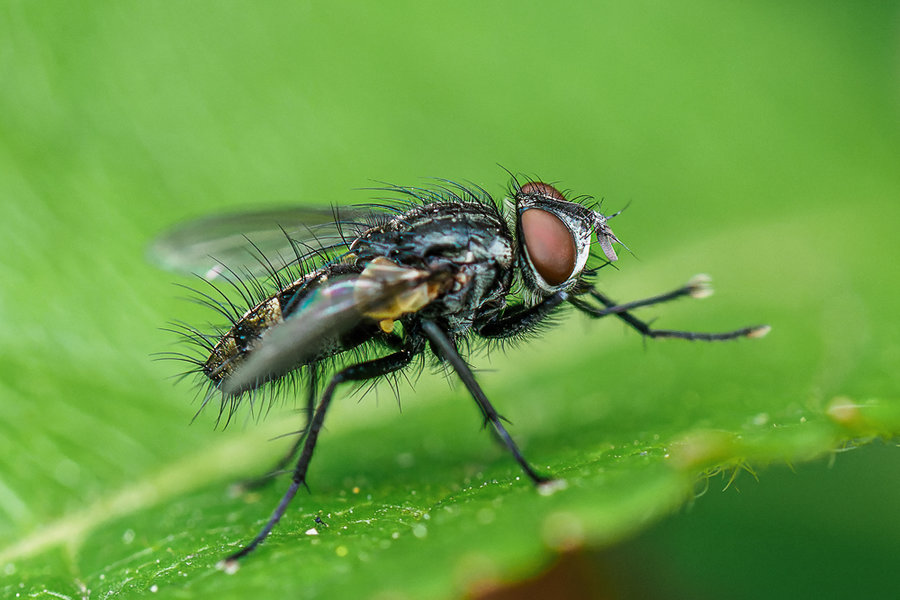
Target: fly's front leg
(448,352)
(359,372)
(520,318)
(698,287)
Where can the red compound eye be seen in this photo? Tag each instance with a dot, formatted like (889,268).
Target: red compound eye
(549,243)
(541,188)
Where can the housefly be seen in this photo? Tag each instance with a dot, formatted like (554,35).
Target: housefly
(429,270)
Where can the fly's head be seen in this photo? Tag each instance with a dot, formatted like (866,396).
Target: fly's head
(554,237)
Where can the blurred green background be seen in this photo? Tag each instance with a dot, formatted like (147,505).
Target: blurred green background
(758,142)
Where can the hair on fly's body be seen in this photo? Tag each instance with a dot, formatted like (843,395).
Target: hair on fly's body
(318,298)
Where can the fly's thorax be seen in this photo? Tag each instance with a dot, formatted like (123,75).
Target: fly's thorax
(554,238)
(415,289)
(471,240)
(457,231)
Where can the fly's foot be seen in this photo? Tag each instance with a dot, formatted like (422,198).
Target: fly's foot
(550,486)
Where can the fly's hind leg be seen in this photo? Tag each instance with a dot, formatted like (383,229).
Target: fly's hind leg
(280,467)
(359,372)
(448,351)
(698,287)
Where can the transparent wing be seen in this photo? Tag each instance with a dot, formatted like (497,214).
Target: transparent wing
(383,292)
(255,242)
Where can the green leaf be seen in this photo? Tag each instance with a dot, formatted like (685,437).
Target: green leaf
(753,145)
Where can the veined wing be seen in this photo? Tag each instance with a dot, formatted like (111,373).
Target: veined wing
(383,292)
(256,242)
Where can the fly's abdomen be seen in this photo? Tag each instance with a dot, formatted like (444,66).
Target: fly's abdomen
(321,315)
(248,332)
(240,340)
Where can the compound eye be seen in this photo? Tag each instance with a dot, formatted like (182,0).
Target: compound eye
(550,245)
(540,188)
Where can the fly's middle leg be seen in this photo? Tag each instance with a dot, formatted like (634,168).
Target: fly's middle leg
(448,351)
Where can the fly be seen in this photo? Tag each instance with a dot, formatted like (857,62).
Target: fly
(416,275)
